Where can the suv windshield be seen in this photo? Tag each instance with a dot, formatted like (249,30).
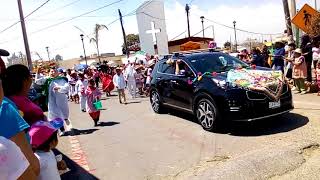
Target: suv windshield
(216,63)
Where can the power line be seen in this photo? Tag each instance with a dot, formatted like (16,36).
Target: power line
(178,35)
(75,17)
(9,27)
(36,9)
(250,32)
(59,8)
(201,31)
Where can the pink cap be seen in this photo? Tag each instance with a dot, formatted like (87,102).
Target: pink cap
(41,131)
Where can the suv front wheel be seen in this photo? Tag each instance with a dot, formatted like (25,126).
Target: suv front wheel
(156,102)
(207,113)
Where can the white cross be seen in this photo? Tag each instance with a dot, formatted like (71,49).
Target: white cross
(153,31)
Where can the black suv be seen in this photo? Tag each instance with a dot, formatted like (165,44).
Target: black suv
(210,97)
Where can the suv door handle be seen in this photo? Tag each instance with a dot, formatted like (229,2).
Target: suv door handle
(158,78)
(173,81)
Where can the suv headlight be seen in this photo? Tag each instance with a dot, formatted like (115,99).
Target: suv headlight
(220,83)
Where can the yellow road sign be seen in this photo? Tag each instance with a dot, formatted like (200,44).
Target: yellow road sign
(303,18)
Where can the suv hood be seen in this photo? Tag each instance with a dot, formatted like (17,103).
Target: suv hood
(262,80)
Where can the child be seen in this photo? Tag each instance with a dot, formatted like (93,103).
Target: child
(81,85)
(318,76)
(120,84)
(139,80)
(299,71)
(93,94)
(44,138)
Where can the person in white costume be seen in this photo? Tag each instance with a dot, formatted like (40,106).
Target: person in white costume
(81,86)
(56,89)
(130,77)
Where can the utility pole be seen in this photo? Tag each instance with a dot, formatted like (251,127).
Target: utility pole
(315,5)
(187,10)
(124,34)
(48,53)
(25,36)
(293,12)
(202,17)
(213,32)
(235,35)
(287,17)
(84,50)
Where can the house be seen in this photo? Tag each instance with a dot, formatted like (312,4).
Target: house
(189,43)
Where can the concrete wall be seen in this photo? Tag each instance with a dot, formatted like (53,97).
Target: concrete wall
(152,11)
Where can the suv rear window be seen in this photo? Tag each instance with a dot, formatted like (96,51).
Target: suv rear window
(165,68)
(216,63)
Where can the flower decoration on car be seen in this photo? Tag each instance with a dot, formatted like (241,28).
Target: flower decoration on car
(268,82)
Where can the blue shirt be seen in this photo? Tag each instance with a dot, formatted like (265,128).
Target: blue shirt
(11,121)
(278,59)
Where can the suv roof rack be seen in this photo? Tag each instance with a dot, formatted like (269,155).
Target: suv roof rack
(179,53)
(197,51)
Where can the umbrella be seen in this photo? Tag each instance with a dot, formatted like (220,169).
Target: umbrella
(140,53)
(81,67)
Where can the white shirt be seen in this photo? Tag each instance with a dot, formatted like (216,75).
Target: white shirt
(13,163)
(130,72)
(48,166)
(118,81)
(316,53)
(81,85)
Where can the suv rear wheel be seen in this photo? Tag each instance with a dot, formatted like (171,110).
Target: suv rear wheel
(156,102)
(207,113)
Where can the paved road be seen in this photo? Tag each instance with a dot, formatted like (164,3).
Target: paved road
(134,143)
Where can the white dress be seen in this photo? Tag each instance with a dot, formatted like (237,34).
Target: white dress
(48,166)
(57,100)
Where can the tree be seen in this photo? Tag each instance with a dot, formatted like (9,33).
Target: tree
(58,58)
(133,42)
(314,28)
(227,44)
(95,39)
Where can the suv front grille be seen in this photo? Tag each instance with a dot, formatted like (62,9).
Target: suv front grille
(255,96)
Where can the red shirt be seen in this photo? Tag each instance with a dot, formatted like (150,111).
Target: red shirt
(31,112)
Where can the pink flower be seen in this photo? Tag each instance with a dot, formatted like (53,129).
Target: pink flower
(199,73)
(214,74)
(189,82)
(253,66)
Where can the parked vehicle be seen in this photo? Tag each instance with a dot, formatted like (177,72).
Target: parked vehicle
(201,87)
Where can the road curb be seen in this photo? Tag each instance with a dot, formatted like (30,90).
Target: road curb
(260,164)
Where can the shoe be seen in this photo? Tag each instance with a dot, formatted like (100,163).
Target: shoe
(294,89)
(303,92)
(95,123)
(61,133)
(67,122)
(297,92)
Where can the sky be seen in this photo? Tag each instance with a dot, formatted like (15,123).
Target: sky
(263,16)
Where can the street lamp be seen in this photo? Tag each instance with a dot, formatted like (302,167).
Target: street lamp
(202,17)
(84,50)
(48,53)
(235,34)
(187,10)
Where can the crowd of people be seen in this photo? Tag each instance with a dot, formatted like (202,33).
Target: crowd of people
(27,135)
(300,65)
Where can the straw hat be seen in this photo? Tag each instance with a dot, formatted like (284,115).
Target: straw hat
(298,50)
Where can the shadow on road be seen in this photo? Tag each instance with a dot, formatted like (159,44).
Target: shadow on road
(77,132)
(104,124)
(284,123)
(76,172)
(134,102)
(281,124)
